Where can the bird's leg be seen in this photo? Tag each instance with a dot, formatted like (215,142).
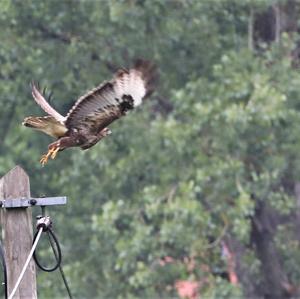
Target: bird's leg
(54,153)
(53,149)
(45,157)
(57,146)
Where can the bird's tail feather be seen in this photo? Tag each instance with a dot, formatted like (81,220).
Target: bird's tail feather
(47,124)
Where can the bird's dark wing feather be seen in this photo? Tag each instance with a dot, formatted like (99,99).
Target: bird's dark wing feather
(111,100)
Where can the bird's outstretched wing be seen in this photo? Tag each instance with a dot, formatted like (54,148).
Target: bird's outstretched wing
(111,100)
(41,101)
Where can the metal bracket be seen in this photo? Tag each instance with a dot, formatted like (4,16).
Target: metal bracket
(43,221)
(29,202)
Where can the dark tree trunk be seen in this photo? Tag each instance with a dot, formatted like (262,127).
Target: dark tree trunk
(263,229)
(267,26)
(248,282)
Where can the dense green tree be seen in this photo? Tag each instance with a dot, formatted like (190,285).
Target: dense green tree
(210,161)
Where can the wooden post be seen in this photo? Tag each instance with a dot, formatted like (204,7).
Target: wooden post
(17,236)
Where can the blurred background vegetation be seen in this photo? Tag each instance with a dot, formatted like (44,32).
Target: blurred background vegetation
(196,194)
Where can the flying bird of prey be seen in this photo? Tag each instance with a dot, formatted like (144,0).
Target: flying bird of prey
(86,122)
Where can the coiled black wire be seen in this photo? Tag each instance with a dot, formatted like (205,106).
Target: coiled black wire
(4,270)
(58,257)
(56,251)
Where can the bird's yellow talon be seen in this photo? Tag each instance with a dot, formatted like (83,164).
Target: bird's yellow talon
(44,159)
(51,153)
(54,153)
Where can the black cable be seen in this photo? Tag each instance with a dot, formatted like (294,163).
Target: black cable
(4,270)
(57,252)
(60,268)
(58,256)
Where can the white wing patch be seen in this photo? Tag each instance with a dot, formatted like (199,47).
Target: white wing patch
(130,84)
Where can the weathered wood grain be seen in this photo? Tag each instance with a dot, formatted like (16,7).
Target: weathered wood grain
(17,233)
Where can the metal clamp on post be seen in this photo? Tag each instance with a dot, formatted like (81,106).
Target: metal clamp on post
(43,222)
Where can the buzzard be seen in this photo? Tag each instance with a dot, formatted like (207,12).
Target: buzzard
(86,122)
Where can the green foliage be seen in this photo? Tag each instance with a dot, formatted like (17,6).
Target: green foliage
(187,168)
